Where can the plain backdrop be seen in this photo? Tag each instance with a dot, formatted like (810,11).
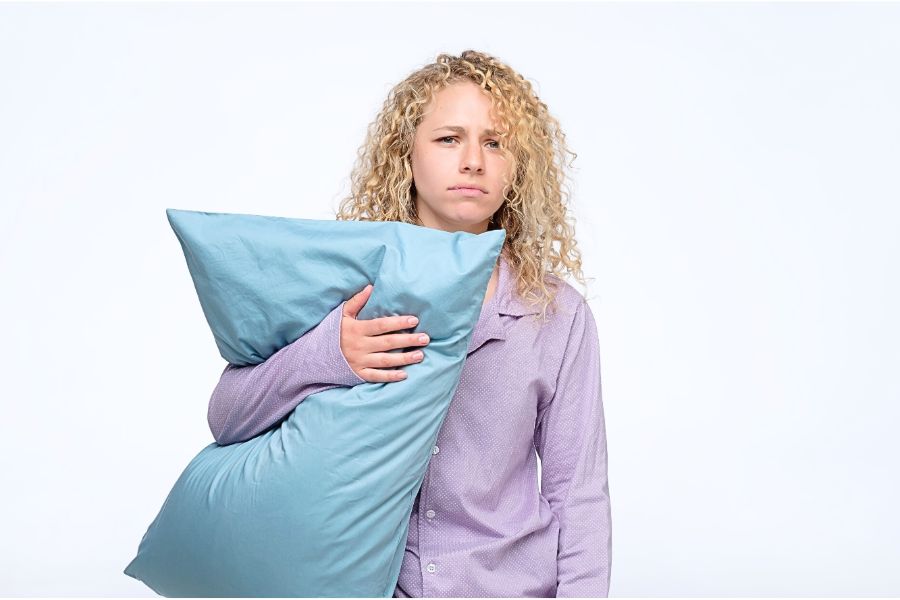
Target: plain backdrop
(736,198)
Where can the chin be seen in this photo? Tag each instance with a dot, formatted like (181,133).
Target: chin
(467,222)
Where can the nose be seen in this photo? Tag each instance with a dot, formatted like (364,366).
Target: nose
(472,160)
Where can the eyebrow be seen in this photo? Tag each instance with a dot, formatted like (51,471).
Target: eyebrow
(460,129)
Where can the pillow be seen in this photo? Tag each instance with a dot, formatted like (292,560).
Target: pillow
(318,506)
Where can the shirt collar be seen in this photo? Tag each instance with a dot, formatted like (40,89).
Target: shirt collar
(505,301)
(508,301)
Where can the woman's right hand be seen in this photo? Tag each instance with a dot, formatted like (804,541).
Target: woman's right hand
(365,343)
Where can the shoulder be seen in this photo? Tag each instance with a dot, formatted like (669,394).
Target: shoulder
(571,303)
(564,302)
(576,331)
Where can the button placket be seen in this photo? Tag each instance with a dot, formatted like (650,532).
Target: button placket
(424,551)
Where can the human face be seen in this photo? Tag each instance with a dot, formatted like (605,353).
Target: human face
(454,145)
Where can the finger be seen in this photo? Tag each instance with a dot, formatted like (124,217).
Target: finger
(357,301)
(383,325)
(392,341)
(380,376)
(383,360)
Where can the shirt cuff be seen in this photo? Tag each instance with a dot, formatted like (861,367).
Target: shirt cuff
(332,361)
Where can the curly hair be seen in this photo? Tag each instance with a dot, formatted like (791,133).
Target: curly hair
(540,242)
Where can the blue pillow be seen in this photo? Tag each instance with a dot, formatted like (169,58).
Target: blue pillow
(318,506)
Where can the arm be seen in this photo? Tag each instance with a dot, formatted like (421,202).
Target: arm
(570,438)
(250,399)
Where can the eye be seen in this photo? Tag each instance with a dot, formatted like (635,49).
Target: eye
(451,137)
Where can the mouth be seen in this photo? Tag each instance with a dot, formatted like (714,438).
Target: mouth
(468,190)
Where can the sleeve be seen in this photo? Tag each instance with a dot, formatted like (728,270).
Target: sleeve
(570,439)
(250,399)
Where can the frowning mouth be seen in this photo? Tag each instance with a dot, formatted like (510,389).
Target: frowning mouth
(470,190)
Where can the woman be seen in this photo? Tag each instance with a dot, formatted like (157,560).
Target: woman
(463,144)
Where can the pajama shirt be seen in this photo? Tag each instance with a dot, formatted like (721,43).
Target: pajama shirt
(481,525)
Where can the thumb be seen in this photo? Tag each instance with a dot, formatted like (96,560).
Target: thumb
(355,303)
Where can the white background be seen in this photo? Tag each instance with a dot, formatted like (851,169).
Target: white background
(736,194)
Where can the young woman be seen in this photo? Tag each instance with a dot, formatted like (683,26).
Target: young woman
(464,144)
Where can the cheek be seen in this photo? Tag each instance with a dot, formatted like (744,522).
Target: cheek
(423,167)
(500,167)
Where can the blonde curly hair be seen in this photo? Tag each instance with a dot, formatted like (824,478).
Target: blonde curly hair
(540,241)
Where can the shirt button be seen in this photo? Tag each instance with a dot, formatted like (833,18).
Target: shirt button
(431,568)
(435,450)
(430,514)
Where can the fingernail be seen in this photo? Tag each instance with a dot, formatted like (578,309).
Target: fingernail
(423,338)
(413,320)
